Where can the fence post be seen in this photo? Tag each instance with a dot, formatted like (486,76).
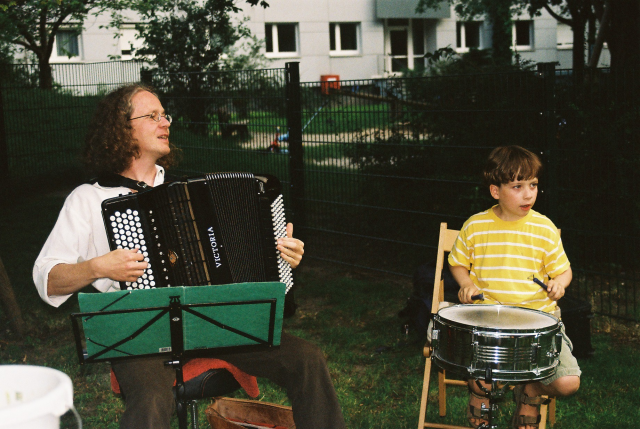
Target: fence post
(547,72)
(296,158)
(4,147)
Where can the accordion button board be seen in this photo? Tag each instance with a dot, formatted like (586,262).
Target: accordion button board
(219,228)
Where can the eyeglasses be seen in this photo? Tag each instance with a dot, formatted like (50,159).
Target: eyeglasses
(154,116)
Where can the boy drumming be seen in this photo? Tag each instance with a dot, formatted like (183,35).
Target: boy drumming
(498,252)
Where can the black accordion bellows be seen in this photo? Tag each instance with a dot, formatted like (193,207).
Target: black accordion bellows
(217,229)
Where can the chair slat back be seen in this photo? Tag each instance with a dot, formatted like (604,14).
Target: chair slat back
(445,243)
(450,236)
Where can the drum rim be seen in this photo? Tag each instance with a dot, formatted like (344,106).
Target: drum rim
(438,317)
(497,374)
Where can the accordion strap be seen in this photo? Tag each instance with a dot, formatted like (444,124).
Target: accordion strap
(116,181)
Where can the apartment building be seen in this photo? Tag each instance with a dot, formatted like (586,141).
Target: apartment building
(353,39)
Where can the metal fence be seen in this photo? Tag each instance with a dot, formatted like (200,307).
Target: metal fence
(371,167)
(42,130)
(387,160)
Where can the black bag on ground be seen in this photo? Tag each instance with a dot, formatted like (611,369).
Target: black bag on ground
(417,312)
(576,316)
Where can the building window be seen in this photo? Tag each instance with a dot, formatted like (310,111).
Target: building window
(419,40)
(67,44)
(405,45)
(344,38)
(468,35)
(564,36)
(523,34)
(281,39)
(128,42)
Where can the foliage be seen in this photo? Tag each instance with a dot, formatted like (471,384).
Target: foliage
(618,24)
(598,118)
(576,14)
(586,132)
(622,33)
(184,41)
(246,54)
(498,13)
(33,25)
(440,105)
(187,35)
(446,61)
(6,59)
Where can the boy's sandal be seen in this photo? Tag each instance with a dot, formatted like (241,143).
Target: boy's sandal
(522,398)
(475,413)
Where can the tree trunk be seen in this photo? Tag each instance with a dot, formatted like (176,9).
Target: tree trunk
(8,302)
(45,75)
(605,22)
(624,38)
(500,17)
(579,26)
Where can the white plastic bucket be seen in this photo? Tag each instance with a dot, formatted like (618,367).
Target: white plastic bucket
(33,397)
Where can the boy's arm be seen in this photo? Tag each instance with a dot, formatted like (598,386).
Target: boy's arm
(467,288)
(556,286)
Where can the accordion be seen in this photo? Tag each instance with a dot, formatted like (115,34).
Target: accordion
(219,228)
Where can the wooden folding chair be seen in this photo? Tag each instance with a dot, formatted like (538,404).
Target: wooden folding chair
(445,243)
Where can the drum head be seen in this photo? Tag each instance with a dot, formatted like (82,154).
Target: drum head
(500,317)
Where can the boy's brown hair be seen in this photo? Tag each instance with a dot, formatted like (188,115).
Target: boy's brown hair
(511,163)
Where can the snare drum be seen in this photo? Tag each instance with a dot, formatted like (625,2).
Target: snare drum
(507,343)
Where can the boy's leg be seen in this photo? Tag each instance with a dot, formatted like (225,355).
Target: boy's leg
(300,367)
(477,401)
(565,382)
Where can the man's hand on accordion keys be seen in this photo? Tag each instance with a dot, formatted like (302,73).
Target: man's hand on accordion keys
(123,265)
(291,249)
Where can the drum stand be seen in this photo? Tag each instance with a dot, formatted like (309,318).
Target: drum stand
(495,395)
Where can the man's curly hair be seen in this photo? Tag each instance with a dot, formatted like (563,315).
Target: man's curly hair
(109,145)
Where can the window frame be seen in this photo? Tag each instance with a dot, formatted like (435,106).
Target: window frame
(463,32)
(514,41)
(65,58)
(564,30)
(339,52)
(402,25)
(134,44)
(276,53)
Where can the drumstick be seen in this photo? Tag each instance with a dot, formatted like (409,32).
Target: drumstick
(479,296)
(539,283)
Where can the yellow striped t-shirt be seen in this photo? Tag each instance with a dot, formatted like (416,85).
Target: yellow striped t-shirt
(502,256)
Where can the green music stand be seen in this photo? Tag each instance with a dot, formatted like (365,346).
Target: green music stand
(178,322)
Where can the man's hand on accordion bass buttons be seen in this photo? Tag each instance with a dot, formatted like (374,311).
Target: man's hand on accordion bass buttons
(122,265)
(291,249)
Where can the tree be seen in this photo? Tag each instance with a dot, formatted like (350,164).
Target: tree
(618,22)
(33,25)
(623,35)
(576,14)
(9,303)
(498,12)
(187,35)
(184,40)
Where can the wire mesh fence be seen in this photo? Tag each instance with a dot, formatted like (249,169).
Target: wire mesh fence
(228,121)
(42,130)
(387,160)
(371,167)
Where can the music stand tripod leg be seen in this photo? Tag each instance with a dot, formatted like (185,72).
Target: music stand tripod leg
(177,354)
